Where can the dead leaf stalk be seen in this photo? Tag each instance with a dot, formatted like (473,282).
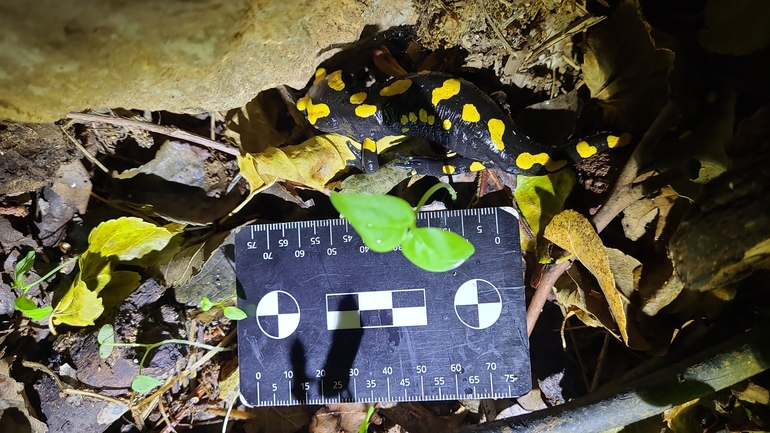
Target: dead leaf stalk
(67,390)
(83,150)
(158,129)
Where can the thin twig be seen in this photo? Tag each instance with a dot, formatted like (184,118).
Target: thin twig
(65,389)
(499,34)
(85,152)
(204,359)
(170,131)
(600,362)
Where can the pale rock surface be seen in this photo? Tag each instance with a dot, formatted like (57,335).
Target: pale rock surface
(182,56)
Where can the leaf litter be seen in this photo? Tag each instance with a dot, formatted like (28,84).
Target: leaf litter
(662,255)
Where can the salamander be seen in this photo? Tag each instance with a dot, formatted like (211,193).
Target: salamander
(442,109)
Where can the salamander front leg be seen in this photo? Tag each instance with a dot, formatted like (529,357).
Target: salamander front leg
(365,157)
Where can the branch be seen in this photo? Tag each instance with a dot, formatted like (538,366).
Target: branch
(170,131)
(719,367)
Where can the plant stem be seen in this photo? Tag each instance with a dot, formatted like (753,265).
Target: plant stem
(48,275)
(151,346)
(432,190)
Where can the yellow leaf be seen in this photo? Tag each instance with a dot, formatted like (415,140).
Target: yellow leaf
(78,307)
(127,238)
(122,284)
(313,163)
(539,199)
(575,234)
(94,271)
(248,170)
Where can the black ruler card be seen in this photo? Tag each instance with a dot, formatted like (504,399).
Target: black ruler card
(330,321)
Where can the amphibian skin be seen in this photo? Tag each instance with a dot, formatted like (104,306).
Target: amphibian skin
(442,109)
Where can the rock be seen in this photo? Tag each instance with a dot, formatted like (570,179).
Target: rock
(63,55)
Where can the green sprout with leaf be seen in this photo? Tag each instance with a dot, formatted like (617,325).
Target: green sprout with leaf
(23,303)
(232,313)
(142,383)
(384,222)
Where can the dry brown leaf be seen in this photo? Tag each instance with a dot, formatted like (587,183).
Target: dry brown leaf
(339,418)
(638,215)
(16,412)
(574,233)
(626,270)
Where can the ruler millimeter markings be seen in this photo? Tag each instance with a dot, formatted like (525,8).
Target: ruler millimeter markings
(330,321)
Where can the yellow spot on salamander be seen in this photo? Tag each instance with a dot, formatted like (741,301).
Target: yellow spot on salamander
(358,98)
(526,161)
(404,119)
(412,117)
(335,81)
(496,130)
(369,145)
(446,124)
(366,110)
(396,88)
(423,73)
(404,130)
(314,111)
(614,141)
(448,169)
(431,120)
(302,103)
(450,88)
(470,113)
(584,149)
(320,74)
(423,115)
(476,166)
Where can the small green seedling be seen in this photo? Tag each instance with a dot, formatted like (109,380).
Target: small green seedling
(385,222)
(22,303)
(232,313)
(142,383)
(364,427)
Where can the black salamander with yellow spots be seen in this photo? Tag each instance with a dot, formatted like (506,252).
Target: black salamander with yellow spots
(442,109)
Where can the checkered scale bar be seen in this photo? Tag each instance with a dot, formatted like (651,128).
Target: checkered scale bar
(376,309)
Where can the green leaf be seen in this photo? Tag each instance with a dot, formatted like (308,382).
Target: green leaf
(24,304)
(364,427)
(106,339)
(29,308)
(436,250)
(22,267)
(39,313)
(143,384)
(382,221)
(206,303)
(233,313)
(128,238)
(106,334)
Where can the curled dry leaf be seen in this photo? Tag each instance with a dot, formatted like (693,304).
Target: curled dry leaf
(575,234)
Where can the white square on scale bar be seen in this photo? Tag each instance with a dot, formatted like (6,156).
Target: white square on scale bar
(410,316)
(375,300)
